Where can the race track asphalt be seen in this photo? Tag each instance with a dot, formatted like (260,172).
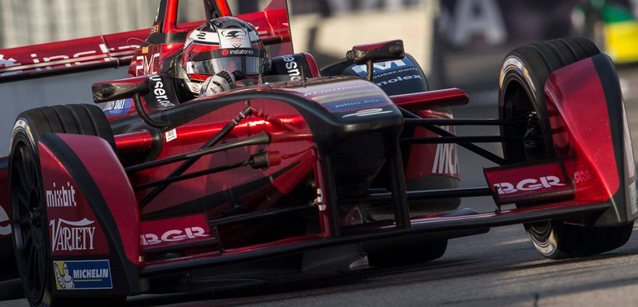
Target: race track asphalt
(497,268)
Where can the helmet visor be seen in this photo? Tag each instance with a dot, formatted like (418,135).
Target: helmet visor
(248,61)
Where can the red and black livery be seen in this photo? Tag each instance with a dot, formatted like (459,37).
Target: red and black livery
(306,171)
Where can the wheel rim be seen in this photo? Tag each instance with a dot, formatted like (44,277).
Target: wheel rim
(521,109)
(29,222)
(532,148)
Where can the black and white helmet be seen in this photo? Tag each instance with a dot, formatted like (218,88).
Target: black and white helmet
(222,44)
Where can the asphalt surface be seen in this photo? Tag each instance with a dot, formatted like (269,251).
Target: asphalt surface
(497,268)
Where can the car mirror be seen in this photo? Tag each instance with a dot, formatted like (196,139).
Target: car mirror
(127,88)
(379,52)
(120,89)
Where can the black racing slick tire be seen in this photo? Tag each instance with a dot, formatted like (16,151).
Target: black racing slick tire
(26,194)
(557,240)
(522,98)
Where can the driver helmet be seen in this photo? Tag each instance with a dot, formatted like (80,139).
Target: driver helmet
(222,44)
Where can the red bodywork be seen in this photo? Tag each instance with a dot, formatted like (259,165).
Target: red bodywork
(328,139)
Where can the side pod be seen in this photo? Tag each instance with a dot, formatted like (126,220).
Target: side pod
(92,215)
(591,136)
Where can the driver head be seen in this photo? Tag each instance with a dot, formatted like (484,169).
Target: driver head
(222,44)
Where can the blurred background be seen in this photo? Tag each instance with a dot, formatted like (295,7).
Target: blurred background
(443,35)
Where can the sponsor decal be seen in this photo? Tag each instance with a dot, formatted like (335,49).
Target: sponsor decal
(239,51)
(175,235)
(159,92)
(147,64)
(81,58)
(234,38)
(362,70)
(344,98)
(581,176)
(72,235)
(528,181)
(319,200)
(339,90)
(82,275)
(528,185)
(400,79)
(171,135)
(155,29)
(368,112)
(293,68)
(339,97)
(118,107)
(61,197)
(5,227)
(202,37)
(446,160)
(398,71)
(235,34)
(4,63)
(349,104)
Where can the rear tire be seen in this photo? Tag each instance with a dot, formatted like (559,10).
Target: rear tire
(522,97)
(28,206)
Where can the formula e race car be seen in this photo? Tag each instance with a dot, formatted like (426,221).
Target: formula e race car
(303,173)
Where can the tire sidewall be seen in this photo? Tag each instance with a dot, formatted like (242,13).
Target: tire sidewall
(516,70)
(545,242)
(23,132)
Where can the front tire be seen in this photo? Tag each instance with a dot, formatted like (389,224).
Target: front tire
(28,205)
(556,240)
(522,98)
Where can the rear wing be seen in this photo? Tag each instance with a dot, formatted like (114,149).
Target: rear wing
(117,50)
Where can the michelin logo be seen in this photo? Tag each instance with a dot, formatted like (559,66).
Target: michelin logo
(82,275)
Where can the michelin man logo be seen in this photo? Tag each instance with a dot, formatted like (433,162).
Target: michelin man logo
(4,63)
(65,280)
(5,228)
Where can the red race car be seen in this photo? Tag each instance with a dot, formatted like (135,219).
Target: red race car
(287,170)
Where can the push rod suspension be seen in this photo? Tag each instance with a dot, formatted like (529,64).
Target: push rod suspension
(191,159)
(259,139)
(469,146)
